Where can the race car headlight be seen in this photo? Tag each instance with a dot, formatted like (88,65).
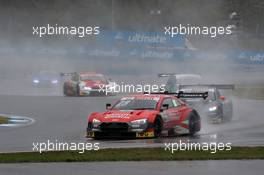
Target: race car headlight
(36,81)
(96,122)
(213,108)
(139,123)
(87,88)
(54,81)
(83,86)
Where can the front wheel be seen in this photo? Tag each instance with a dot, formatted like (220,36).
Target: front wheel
(157,127)
(77,92)
(194,123)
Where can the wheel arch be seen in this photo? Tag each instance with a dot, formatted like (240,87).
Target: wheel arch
(154,116)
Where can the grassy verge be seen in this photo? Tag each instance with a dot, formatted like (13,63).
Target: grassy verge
(132,154)
(3,120)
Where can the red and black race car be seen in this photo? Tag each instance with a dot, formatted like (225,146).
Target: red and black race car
(145,116)
(85,84)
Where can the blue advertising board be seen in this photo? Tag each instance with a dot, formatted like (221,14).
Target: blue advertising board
(138,44)
(248,57)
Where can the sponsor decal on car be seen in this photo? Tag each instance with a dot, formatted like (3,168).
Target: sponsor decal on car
(117,115)
(145,134)
(90,134)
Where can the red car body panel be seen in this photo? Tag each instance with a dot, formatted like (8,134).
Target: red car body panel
(72,86)
(174,118)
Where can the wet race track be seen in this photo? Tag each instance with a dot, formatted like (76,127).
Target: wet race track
(64,119)
(219,167)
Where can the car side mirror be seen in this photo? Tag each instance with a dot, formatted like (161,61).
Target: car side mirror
(222,98)
(108,106)
(164,107)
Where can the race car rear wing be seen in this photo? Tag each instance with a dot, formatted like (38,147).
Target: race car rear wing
(182,94)
(166,75)
(67,74)
(218,86)
(160,75)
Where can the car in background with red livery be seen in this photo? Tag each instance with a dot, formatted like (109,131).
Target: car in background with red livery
(145,116)
(85,84)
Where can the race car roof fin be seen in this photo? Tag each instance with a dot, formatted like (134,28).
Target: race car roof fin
(67,74)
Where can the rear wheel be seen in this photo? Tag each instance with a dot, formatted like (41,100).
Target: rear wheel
(157,127)
(194,123)
(77,92)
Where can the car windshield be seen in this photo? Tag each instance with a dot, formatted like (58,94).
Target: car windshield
(92,78)
(135,104)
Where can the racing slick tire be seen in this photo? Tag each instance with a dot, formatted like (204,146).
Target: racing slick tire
(171,133)
(194,123)
(157,127)
(77,92)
